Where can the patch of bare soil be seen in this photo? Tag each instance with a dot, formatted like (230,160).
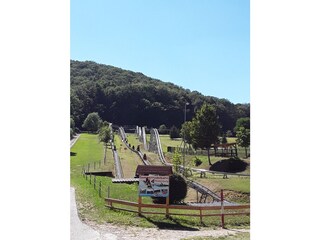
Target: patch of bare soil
(234,196)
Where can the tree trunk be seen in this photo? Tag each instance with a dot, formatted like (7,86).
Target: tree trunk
(105,153)
(208,149)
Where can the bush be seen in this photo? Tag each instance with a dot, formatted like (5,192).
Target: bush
(177,190)
(197,161)
(231,165)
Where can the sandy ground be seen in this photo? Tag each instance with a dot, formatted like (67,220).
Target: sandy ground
(136,233)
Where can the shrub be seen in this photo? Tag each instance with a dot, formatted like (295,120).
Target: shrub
(197,161)
(176,159)
(231,165)
(177,190)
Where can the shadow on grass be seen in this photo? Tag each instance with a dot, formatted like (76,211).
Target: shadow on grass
(73,154)
(173,225)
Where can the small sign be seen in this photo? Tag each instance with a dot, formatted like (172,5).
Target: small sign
(154,186)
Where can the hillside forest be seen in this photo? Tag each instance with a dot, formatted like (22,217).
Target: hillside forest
(124,97)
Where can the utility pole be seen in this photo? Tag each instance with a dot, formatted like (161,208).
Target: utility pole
(184,141)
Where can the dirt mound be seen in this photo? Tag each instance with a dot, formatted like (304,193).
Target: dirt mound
(232,165)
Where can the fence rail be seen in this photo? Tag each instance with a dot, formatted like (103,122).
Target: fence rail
(224,210)
(223,207)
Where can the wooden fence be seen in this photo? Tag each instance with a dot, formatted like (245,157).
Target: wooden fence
(200,210)
(223,210)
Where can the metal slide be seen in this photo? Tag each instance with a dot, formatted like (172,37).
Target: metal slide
(124,140)
(155,146)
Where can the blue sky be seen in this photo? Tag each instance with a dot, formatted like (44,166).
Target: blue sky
(201,45)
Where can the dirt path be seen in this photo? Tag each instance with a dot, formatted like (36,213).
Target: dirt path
(80,230)
(136,233)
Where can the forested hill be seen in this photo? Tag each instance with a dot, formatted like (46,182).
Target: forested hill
(131,98)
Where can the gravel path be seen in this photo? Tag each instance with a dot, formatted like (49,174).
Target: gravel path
(136,233)
(81,231)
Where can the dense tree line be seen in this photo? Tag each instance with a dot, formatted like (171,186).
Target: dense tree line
(125,97)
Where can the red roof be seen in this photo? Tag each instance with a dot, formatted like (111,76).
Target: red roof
(159,170)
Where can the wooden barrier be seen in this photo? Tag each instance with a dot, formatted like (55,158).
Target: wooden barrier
(110,202)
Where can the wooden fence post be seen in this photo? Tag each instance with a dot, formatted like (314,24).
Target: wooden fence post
(105,154)
(167,207)
(100,188)
(139,205)
(90,178)
(94,181)
(88,167)
(222,209)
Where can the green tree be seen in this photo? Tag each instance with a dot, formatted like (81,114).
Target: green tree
(205,128)
(224,139)
(174,132)
(243,138)
(185,132)
(229,133)
(105,137)
(71,133)
(104,124)
(162,129)
(72,128)
(176,159)
(242,122)
(72,124)
(104,134)
(92,122)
